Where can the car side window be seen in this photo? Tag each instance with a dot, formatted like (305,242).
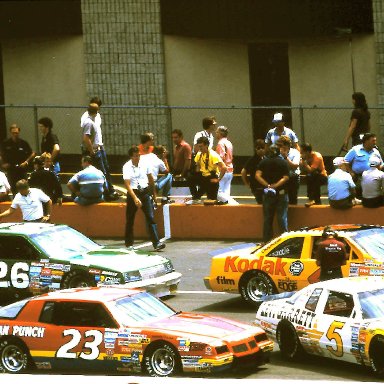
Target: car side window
(77,314)
(313,299)
(290,248)
(17,248)
(339,304)
(315,244)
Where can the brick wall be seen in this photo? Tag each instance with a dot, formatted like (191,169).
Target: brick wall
(124,65)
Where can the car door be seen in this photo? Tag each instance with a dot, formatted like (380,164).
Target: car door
(77,335)
(16,256)
(290,264)
(335,322)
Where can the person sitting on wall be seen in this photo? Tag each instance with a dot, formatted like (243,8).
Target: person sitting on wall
(372,184)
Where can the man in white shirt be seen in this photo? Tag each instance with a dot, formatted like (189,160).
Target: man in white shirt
(93,146)
(5,187)
(30,201)
(372,184)
(139,182)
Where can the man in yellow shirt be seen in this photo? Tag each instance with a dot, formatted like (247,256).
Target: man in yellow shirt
(210,170)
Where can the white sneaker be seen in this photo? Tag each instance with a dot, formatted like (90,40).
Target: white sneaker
(356,201)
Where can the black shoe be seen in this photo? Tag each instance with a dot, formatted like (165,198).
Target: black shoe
(166,200)
(112,197)
(159,246)
(221,202)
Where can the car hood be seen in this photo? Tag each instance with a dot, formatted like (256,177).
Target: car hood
(240,249)
(191,324)
(118,259)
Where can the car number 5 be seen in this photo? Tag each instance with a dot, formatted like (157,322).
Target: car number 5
(92,346)
(332,334)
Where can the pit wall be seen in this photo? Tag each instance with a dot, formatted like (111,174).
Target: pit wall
(107,220)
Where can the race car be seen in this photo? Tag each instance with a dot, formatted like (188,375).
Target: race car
(341,319)
(287,263)
(117,329)
(36,258)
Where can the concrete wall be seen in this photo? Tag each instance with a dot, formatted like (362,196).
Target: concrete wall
(47,71)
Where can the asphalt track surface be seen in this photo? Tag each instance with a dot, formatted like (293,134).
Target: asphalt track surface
(192,259)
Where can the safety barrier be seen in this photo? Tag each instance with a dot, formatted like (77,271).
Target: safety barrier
(180,221)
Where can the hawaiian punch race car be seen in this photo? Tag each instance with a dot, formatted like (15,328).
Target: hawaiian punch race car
(123,330)
(342,319)
(287,263)
(37,258)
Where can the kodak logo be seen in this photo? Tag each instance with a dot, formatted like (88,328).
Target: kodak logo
(235,264)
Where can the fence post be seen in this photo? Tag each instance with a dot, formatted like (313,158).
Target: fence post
(301,111)
(35,119)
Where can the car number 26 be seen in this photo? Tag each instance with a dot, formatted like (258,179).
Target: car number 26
(96,338)
(18,276)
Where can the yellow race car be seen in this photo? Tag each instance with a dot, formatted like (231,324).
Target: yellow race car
(287,263)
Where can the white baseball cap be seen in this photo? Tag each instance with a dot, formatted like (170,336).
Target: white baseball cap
(277,117)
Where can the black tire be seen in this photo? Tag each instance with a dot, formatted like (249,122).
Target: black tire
(254,285)
(77,279)
(161,360)
(289,343)
(14,356)
(376,355)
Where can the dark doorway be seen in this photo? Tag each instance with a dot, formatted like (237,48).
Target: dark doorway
(270,86)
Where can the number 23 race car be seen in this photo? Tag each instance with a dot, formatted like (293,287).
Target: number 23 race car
(122,330)
(341,319)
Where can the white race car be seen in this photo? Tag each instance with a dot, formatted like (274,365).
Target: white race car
(342,319)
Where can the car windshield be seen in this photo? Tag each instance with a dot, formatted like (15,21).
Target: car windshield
(371,241)
(63,242)
(12,310)
(372,304)
(140,308)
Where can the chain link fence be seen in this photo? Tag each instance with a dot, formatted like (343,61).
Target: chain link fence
(323,127)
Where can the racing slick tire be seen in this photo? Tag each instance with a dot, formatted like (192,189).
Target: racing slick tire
(14,356)
(376,355)
(289,343)
(255,284)
(161,360)
(77,279)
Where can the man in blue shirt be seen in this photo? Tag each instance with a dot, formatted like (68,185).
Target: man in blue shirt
(88,184)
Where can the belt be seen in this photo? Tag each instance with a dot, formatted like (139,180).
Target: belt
(141,191)
(98,147)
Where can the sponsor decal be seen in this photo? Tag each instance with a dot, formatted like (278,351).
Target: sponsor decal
(28,331)
(34,269)
(237,264)
(110,352)
(114,358)
(222,280)
(57,273)
(109,273)
(46,272)
(59,267)
(280,252)
(94,271)
(287,285)
(43,365)
(296,268)
(109,345)
(110,280)
(184,345)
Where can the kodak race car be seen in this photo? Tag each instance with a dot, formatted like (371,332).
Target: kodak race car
(287,263)
(36,258)
(342,319)
(116,329)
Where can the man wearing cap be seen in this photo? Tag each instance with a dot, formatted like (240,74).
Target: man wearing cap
(280,129)
(358,157)
(372,184)
(331,256)
(341,188)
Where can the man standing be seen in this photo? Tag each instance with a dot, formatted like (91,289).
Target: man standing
(210,170)
(312,164)
(88,184)
(49,142)
(146,143)
(209,126)
(224,149)
(372,184)
(16,154)
(280,129)
(273,175)
(140,186)
(331,256)
(182,154)
(30,201)
(94,147)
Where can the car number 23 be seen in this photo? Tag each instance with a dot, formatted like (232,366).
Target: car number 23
(18,278)
(96,338)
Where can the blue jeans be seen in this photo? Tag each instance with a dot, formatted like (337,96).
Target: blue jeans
(81,200)
(164,183)
(100,162)
(271,205)
(56,168)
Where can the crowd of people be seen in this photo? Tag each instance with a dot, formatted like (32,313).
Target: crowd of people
(273,174)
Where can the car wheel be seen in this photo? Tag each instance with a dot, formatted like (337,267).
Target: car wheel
(289,343)
(77,279)
(376,355)
(14,357)
(254,285)
(162,360)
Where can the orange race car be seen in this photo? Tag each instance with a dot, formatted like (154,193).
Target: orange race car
(287,263)
(122,330)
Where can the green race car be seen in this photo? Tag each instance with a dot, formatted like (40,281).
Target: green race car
(37,258)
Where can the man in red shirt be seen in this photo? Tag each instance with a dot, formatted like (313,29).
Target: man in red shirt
(182,154)
(331,256)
